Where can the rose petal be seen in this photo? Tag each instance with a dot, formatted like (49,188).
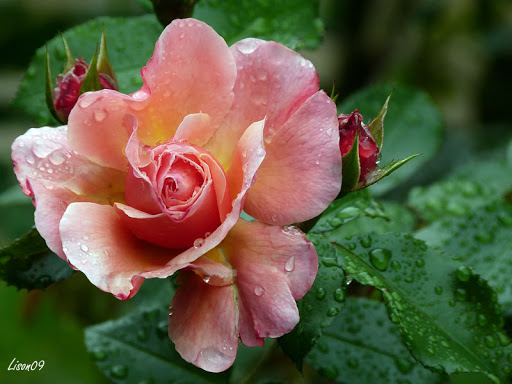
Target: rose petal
(112,258)
(272,82)
(240,177)
(301,174)
(275,266)
(203,324)
(196,129)
(55,176)
(166,231)
(191,71)
(43,154)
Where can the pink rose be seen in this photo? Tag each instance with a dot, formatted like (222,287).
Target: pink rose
(143,185)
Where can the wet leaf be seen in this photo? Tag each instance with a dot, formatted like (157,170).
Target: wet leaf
(319,306)
(467,188)
(481,239)
(448,316)
(28,263)
(350,207)
(294,23)
(137,349)
(362,346)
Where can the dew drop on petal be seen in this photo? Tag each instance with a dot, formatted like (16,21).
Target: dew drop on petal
(259,291)
(198,242)
(100,115)
(30,159)
(84,247)
(290,264)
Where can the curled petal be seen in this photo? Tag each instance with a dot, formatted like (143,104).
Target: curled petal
(275,266)
(272,82)
(301,174)
(196,129)
(203,323)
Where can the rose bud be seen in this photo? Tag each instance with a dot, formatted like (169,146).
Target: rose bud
(76,78)
(350,125)
(360,147)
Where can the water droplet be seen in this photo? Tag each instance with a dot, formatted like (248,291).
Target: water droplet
(484,237)
(206,279)
(464,273)
(395,265)
(100,115)
(247,46)
(99,354)
(290,264)
(320,293)
(353,362)
(438,290)
(141,335)
(170,310)
(503,339)
(490,341)
(505,219)
(119,371)
(460,294)
(420,262)
(30,159)
(404,365)
(380,258)
(366,241)
(333,311)
(259,291)
(198,242)
(339,295)
(452,303)
(84,247)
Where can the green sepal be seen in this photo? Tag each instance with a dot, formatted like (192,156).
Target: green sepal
(381,172)
(70,61)
(48,89)
(376,127)
(351,168)
(104,67)
(91,79)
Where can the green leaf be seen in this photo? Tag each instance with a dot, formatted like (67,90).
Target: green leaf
(136,349)
(448,317)
(348,208)
(91,79)
(16,215)
(28,263)
(351,167)
(413,125)
(130,47)
(481,239)
(380,172)
(294,23)
(469,187)
(319,306)
(362,346)
(395,218)
(377,125)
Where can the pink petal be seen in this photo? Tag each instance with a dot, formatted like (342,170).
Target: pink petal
(43,154)
(97,243)
(275,266)
(240,178)
(101,123)
(196,129)
(203,324)
(55,176)
(164,231)
(51,202)
(272,82)
(191,71)
(301,174)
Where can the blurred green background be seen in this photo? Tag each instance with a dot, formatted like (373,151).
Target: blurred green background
(459,51)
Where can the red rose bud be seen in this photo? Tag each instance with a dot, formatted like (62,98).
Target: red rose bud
(77,77)
(350,126)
